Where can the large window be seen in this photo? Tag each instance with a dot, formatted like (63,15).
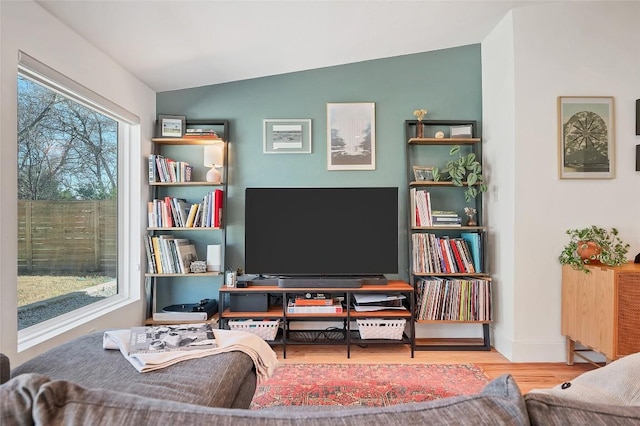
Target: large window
(68,157)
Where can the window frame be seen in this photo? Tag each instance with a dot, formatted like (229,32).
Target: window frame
(128,271)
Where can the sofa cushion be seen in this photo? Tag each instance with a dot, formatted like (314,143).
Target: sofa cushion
(617,383)
(222,380)
(548,410)
(17,399)
(60,401)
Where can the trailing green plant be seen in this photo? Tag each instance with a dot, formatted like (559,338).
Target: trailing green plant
(465,170)
(613,249)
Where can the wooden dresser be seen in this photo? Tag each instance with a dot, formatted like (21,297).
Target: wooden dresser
(601,310)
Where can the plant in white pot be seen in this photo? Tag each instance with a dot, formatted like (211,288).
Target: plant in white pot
(593,245)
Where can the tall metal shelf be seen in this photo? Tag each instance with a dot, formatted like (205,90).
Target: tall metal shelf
(432,148)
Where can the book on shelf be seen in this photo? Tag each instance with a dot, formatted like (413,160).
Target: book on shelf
(186,255)
(171,212)
(454,299)
(171,338)
(421,206)
(292,308)
(445,220)
(435,254)
(166,170)
(444,213)
(169,255)
(314,300)
(201,133)
(474,244)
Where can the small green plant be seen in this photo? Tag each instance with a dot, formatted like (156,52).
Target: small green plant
(611,251)
(465,170)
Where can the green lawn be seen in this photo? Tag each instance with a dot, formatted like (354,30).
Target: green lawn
(35,288)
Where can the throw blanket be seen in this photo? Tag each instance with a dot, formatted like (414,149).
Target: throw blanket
(264,358)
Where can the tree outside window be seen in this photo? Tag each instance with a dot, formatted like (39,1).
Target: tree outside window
(67,204)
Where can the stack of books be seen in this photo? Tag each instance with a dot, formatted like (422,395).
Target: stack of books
(445,218)
(317,305)
(201,133)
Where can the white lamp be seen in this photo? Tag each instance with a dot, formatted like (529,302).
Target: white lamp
(214,158)
(214,258)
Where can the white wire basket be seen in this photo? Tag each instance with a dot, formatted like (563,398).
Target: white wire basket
(381,328)
(267,329)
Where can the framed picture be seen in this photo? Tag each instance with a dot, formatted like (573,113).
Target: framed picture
(423,173)
(585,137)
(351,139)
(286,136)
(461,132)
(171,126)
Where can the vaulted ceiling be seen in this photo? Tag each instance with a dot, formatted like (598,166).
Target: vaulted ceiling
(171,44)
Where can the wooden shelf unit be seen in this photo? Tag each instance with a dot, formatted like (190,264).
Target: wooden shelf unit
(415,149)
(349,314)
(601,310)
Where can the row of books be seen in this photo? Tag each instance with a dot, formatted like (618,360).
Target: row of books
(171,212)
(459,299)
(446,255)
(169,255)
(163,169)
(424,215)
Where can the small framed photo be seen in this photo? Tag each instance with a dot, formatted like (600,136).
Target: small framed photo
(171,126)
(461,132)
(351,136)
(286,136)
(585,137)
(423,173)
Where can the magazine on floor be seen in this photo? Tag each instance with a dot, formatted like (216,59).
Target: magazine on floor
(171,338)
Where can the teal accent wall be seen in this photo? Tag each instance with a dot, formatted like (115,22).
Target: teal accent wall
(445,82)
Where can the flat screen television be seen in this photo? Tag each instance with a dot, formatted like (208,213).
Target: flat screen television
(328,232)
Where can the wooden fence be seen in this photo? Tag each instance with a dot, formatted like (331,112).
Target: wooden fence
(74,237)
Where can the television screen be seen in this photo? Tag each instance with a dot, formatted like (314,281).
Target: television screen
(321,231)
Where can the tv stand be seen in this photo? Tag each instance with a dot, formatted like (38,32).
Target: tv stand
(308,327)
(320,281)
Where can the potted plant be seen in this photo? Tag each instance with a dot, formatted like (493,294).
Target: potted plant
(465,170)
(593,245)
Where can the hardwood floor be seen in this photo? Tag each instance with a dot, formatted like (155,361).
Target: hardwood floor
(527,375)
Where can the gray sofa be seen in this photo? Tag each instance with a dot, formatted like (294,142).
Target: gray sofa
(225,380)
(607,396)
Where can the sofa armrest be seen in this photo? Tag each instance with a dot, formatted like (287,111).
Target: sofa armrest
(5,368)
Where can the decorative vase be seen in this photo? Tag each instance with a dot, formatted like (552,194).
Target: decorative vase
(419,130)
(588,250)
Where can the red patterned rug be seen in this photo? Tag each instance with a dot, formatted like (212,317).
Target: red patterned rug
(366,384)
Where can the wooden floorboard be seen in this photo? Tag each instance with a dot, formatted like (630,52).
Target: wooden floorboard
(528,375)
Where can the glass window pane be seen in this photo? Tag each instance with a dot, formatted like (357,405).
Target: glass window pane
(67,204)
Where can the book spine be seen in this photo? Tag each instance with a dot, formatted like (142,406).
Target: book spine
(292,309)
(314,302)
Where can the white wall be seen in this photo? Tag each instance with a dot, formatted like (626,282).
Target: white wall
(26,26)
(559,49)
(499,150)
